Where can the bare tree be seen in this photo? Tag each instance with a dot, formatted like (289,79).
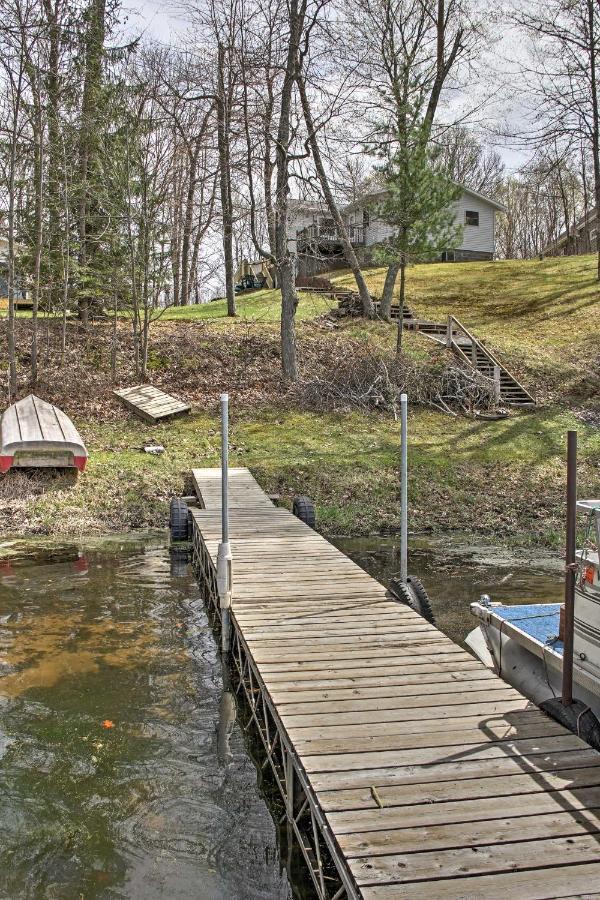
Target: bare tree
(409,48)
(16,38)
(564,74)
(467,161)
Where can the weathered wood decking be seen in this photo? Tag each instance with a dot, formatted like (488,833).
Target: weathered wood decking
(151,404)
(422,773)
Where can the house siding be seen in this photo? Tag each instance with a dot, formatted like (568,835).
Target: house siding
(477,238)
(478,241)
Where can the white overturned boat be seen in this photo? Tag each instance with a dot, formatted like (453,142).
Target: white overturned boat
(523,643)
(35,433)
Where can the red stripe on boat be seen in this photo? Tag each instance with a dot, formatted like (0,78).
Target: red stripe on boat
(80,462)
(5,463)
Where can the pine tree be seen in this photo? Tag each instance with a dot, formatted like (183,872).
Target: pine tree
(418,206)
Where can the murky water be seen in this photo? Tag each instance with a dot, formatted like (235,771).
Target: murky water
(456,571)
(115,779)
(120,775)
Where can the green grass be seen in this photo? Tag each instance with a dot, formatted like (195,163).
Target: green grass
(542,313)
(258,306)
(503,478)
(500,478)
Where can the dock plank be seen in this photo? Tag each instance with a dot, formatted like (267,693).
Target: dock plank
(435,778)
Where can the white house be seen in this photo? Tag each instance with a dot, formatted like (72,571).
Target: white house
(21,294)
(314,237)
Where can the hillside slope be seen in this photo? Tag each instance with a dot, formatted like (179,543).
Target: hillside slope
(542,315)
(503,479)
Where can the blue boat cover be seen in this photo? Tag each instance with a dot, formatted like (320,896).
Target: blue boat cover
(539,621)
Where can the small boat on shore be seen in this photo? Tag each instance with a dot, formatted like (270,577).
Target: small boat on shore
(34,433)
(524,643)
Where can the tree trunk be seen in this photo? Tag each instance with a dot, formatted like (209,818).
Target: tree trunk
(385,307)
(285,261)
(14,138)
(38,169)
(224,179)
(188,224)
(349,252)
(401,305)
(53,154)
(89,139)
(289,303)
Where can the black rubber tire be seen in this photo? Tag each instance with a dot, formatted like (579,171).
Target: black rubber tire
(304,509)
(179,520)
(413,594)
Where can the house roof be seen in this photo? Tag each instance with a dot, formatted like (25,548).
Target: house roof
(316,205)
(295,204)
(466,190)
(588,219)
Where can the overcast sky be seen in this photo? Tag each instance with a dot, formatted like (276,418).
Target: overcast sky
(501,108)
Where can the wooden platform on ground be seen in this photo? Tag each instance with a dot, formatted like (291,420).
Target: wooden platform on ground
(427,775)
(151,404)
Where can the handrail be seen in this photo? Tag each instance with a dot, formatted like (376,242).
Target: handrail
(484,349)
(356,233)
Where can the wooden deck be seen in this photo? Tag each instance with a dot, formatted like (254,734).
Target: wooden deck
(399,757)
(151,404)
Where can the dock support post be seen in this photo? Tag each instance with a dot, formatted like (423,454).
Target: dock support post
(404,488)
(567,673)
(224,558)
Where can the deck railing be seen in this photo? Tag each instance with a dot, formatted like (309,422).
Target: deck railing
(330,234)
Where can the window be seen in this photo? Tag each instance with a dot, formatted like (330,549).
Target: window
(471,217)
(366,218)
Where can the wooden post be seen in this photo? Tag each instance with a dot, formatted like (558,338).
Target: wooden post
(224,559)
(497,383)
(567,672)
(449,333)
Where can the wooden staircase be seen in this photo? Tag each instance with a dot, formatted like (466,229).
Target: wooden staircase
(452,334)
(459,339)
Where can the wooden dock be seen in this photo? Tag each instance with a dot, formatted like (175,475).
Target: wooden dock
(151,404)
(407,769)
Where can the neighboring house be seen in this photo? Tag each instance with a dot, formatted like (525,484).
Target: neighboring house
(254,275)
(314,237)
(21,295)
(581,238)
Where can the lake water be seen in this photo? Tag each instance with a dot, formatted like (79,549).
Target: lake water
(114,778)
(122,771)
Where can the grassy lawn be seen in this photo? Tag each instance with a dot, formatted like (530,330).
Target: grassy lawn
(542,313)
(501,478)
(256,306)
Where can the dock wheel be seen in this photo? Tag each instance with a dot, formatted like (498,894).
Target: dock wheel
(304,509)
(179,520)
(413,594)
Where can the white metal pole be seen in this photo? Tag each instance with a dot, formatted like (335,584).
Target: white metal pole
(224,560)
(225,468)
(404,488)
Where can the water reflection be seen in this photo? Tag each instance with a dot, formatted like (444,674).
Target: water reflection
(122,770)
